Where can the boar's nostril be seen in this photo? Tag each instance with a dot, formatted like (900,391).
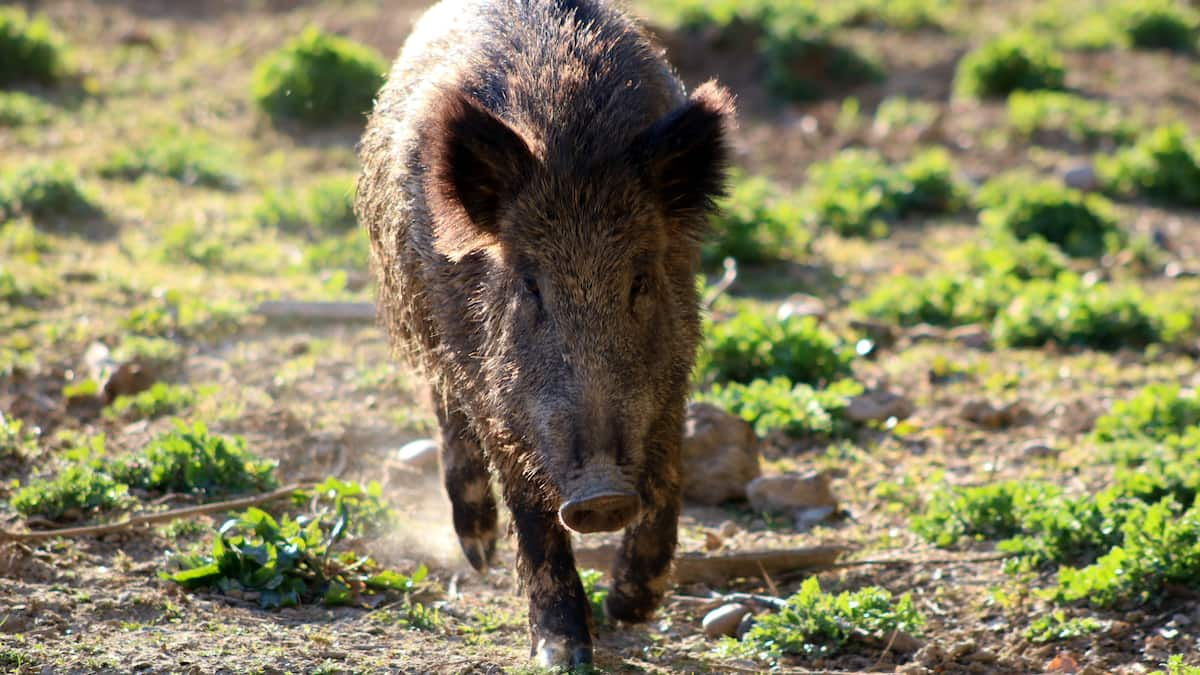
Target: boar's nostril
(600,513)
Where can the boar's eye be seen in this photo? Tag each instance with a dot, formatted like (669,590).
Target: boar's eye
(641,285)
(531,287)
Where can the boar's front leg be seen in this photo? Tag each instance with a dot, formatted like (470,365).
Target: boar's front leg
(560,618)
(643,565)
(465,475)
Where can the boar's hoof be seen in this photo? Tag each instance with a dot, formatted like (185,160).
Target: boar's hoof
(479,551)
(638,607)
(556,653)
(600,513)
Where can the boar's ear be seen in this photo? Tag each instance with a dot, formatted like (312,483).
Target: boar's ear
(685,153)
(475,161)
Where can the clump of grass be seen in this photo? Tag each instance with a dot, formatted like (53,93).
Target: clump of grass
(1042,114)
(363,505)
(1158,411)
(595,593)
(1081,225)
(289,561)
(15,440)
(1014,62)
(755,223)
(193,460)
(18,109)
(906,15)
(44,190)
(939,298)
(21,289)
(1156,24)
(1175,666)
(898,112)
(30,49)
(1163,165)
(318,78)
(798,410)
(78,489)
(191,158)
(159,400)
(1069,312)
(326,206)
(749,346)
(1033,258)
(347,251)
(175,313)
(152,351)
(1056,626)
(857,193)
(815,623)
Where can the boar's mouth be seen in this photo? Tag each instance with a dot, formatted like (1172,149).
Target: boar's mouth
(601,511)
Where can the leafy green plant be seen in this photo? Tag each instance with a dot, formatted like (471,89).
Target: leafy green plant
(898,112)
(363,505)
(1000,256)
(21,289)
(290,561)
(802,59)
(1156,24)
(1017,61)
(1052,114)
(754,223)
(325,206)
(192,158)
(797,410)
(44,190)
(18,108)
(905,15)
(1176,666)
(190,459)
(749,346)
(992,511)
(1164,165)
(594,592)
(1081,225)
(1157,411)
(30,49)
(15,440)
(74,491)
(318,78)
(153,351)
(159,400)
(1056,626)
(174,313)
(857,193)
(815,623)
(1069,312)
(347,251)
(939,298)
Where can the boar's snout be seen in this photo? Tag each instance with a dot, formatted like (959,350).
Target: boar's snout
(604,510)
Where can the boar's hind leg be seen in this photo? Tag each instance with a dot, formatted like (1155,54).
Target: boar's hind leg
(643,564)
(465,474)
(560,618)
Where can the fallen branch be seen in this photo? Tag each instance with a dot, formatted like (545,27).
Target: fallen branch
(317,311)
(932,561)
(719,569)
(722,285)
(151,518)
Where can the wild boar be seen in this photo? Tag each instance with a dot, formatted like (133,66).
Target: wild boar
(535,185)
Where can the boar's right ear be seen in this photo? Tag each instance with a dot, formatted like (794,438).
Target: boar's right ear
(685,154)
(475,161)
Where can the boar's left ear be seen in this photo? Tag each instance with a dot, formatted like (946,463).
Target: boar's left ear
(685,154)
(475,162)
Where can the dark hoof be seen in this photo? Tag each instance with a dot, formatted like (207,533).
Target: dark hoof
(552,653)
(479,551)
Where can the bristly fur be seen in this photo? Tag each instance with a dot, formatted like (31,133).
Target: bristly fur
(535,186)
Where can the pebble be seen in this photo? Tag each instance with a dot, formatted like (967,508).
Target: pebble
(877,405)
(419,454)
(1038,450)
(973,336)
(724,620)
(791,491)
(720,455)
(1081,176)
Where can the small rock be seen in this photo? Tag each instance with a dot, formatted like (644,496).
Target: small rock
(724,620)
(973,336)
(1038,451)
(925,333)
(720,455)
(729,529)
(877,405)
(419,454)
(1080,176)
(791,491)
(882,334)
(712,541)
(128,379)
(985,414)
(801,305)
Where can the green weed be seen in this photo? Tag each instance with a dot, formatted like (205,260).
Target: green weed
(176,313)
(815,623)
(190,459)
(1163,165)
(362,505)
(159,400)
(1056,626)
(798,410)
(898,112)
(74,491)
(1175,666)
(30,49)
(15,440)
(1043,114)
(755,223)
(750,346)
(153,351)
(939,298)
(318,78)
(594,592)
(192,158)
(1033,258)
(323,207)
(347,251)
(44,190)
(1159,411)
(1081,225)
(19,109)
(1156,24)
(1013,62)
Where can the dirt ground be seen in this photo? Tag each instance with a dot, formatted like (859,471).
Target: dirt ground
(327,399)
